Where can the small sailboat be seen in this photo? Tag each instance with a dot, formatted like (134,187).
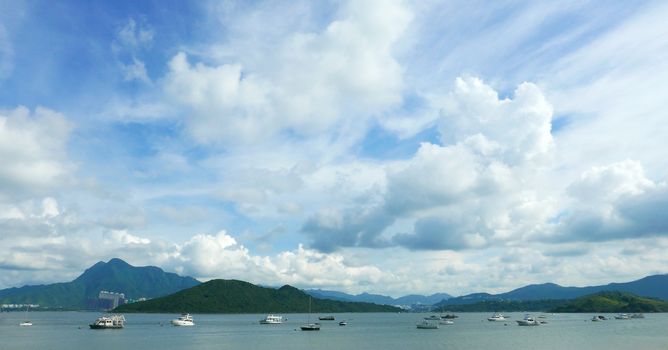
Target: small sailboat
(310,326)
(26,323)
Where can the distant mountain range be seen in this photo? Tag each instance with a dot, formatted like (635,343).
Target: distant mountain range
(114,276)
(232,296)
(655,286)
(380,299)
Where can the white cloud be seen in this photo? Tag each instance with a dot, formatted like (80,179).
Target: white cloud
(306,83)
(135,71)
(33,149)
(475,189)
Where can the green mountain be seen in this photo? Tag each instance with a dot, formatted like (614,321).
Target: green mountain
(114,276)
(613,302)
(232,296)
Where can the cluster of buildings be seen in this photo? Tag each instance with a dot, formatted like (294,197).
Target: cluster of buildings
(107,301)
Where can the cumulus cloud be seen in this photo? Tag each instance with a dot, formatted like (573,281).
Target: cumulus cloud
(470,191)
(305,83)
(33,149)
(614,202)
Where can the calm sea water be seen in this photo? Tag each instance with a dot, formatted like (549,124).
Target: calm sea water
(69,330)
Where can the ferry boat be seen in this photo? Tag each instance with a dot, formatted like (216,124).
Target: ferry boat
(112,322)
(326,318)
(272,319)
(184,320)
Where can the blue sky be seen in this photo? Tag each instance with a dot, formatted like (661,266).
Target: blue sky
(487,145)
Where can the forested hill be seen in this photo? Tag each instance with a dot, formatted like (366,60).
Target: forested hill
(232,296)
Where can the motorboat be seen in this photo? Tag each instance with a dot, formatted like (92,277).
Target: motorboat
(449,316)
(433,318)
(446,322)
(637,316)
(184,320)
(427,324)
(528,321)
(598,318)
(343,323)
(311,327)
(497,318)
(622,317)
(326,318)
(272,319)
(111,322)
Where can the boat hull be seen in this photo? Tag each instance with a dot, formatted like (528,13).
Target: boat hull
(95,326)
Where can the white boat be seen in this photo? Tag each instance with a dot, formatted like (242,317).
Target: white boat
(427,324)
(497,318)
(26,323)
(310,326)
(184,320)
(343,323)
(272,319)
(598,318)
(528,321)
(637,316)
(446,322)
(112,322)
(622,317)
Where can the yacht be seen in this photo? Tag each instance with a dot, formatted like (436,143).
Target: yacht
(272,319)
(622,317)
(433,318)
(112,322)
(25,324)
(326,318)
(528,321)
(449,316)
(496,318)
(598,318)
(343,323)
(184,320)
(446,322)
(426,324)
(637,316)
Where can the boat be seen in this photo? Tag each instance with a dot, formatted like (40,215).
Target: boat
(598,318)
(433,318)
(528,321)
(343,323)
(637,316)
(446,322)
(26,323)
(310,326)
(272,319)
(326,318)
(427,324)
(449,316)
(184,320)
(622,317)
(496,318)
(112,322)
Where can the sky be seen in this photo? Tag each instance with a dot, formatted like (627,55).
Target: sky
(391,147)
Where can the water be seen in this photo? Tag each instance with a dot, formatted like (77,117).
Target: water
(69,330)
